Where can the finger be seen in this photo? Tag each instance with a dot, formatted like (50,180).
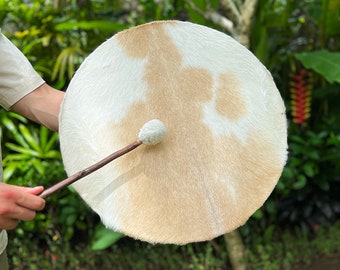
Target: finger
(8,224)
(31,202)
(21,197)
(25,214)
(34,190)
(16,212)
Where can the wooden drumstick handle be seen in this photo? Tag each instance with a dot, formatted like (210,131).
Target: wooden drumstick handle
(73,178)
(150,133)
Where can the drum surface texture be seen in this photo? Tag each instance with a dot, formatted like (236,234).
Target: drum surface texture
(226,141)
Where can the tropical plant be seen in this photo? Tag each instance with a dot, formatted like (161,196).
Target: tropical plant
(298,41)
(31,157)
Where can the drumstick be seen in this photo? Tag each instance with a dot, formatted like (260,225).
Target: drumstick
(151,133)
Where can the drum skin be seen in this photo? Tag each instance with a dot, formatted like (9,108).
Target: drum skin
(226,141)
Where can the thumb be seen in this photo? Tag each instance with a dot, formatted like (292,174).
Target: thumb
(34,190)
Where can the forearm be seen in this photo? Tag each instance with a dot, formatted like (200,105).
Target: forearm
(41,105)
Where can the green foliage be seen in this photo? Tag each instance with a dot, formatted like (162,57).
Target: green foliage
(281,249)
(29,150)
(284,28)
(99,25)
(272,248)
(286,35)
(309,185)
(324,62)
(32,157)
(67,34)
(127,254)
(306,157)
(103,238)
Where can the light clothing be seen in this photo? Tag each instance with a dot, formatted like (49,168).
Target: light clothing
(3,261)
(17,76)
(17,79)
(3,241)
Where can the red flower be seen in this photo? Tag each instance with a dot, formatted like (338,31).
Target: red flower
(300,97)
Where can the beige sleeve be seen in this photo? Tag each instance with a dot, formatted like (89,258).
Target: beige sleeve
(17,76)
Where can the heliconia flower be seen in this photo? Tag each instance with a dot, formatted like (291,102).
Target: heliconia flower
(300,90)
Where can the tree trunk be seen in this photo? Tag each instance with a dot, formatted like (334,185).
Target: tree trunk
(236,250)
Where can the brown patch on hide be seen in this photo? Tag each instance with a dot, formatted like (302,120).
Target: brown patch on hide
(138,44)
(251,168)
(192,186)
(229,100)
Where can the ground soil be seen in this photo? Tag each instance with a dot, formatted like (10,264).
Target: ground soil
(321,263)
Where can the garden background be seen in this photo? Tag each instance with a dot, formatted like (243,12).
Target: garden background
(298,226)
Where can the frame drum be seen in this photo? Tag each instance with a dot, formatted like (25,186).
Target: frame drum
(226,141)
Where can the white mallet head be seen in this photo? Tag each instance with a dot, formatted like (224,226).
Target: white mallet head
(152,132)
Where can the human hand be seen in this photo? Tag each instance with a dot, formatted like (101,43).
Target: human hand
(18,203)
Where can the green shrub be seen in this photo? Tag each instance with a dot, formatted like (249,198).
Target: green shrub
(287,36)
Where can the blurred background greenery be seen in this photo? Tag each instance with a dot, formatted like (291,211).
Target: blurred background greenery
(298,41)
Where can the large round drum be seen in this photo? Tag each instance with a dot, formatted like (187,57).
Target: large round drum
(226,141)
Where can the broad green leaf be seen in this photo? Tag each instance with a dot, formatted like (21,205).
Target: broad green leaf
(194,15)
(105,238)
(314,154)
(70,219)
(308,169)
(298,139)
(287,172)
(301,182)
(258,214)
(280,186)
(100,25)
(68,210)
(334,139)
(324,62)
